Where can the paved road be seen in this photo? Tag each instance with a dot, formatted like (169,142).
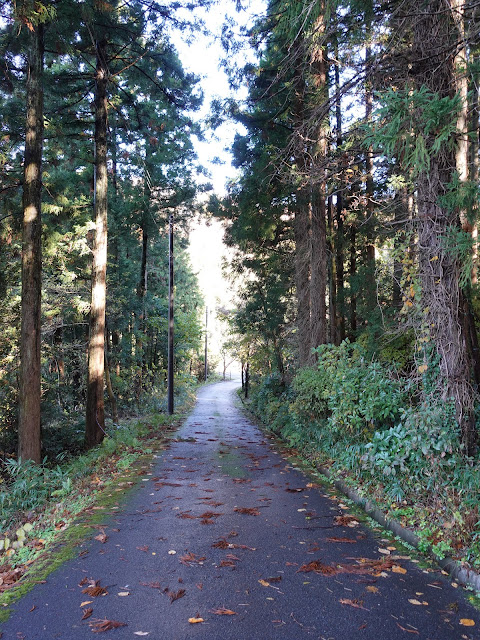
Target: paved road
(226,530)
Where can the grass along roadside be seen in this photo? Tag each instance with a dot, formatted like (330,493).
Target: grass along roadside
(38,539)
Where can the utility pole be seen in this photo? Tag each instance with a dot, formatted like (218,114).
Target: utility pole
(170,316)
(206,343)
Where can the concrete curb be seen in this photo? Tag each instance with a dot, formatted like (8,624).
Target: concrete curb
(466,577)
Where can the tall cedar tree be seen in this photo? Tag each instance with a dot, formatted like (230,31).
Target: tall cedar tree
(29,435)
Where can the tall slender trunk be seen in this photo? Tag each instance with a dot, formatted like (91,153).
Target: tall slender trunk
(339,238)
(302,242)
(318,282)
(29,431)
(370,285)
(474,160)
(95,413)
(353,273)
(332,277)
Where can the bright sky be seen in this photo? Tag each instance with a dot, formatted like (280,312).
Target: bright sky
(207,250)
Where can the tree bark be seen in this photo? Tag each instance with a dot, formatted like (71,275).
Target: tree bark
(29,429)
(95,414)
(318,281)
(339,237)
(442,298)
(370,288)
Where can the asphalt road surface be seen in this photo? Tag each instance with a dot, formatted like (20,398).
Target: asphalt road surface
(227,540)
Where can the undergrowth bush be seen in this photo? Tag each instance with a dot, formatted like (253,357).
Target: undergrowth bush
(356,415)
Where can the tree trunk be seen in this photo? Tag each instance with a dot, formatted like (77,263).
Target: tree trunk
(29,432)
(339,238)
(332,277)
(442,298)
(95,414)
(318,281)
(353,273)
(370,284)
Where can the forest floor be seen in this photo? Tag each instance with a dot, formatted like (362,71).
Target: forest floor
(225,538)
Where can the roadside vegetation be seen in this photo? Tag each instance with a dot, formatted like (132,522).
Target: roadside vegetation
(355,416)
(40,503)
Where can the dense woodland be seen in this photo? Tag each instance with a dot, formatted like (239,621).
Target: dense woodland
(96,153)
(355,223)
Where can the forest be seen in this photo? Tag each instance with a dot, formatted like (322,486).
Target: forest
(353,222)
(96,122)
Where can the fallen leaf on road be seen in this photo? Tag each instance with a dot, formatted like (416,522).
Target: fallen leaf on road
(372,589)
(227,563)
(195,620)
(144,548)
(417,602)
(122,594)
(87,613)
(317,567)
(346,521)
(336,539)
(95,590)
(221,544)
(247,511)
(397,569)
(84,604)
(466,622)
(190,558)
(153,585)
(385,552)
(101,537)
(356,604)
(176,595)
(223,612)
(99,626)
(264,583)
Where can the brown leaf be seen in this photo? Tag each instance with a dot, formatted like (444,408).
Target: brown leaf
(346,521)
(153,585)
(227,563)
(195,620)
(247,511)
(186,515)
(95,591)
(190,558)
(467,622)
(223,612)
(210,514)
(99,626)
(317,567)
(176,595)
(221,544)
(275,579)
(101,538)
(356,604)
(397,569)
(144,548)
(336,539)
(87,613)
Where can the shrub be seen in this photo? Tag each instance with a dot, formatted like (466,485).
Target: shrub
(347,394)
